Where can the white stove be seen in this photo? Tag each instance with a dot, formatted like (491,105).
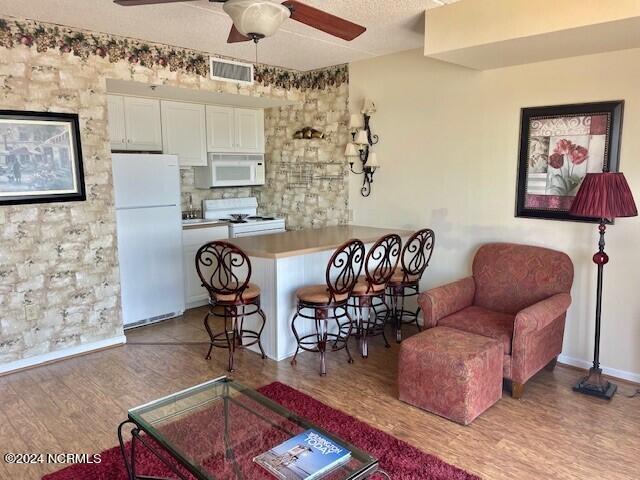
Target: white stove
(253,224)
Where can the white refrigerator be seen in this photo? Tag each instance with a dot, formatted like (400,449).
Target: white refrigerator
(149,223)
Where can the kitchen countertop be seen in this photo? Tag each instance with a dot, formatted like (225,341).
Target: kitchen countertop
(202,223)
(304,242)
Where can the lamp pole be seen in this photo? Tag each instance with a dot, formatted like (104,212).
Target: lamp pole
(594,384)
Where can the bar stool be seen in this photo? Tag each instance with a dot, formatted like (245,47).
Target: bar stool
(380,264)
(322,303)
(225,271)
(405,282)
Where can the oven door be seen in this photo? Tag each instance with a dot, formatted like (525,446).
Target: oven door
(233,173)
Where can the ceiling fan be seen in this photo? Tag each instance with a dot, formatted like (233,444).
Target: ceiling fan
(257,19)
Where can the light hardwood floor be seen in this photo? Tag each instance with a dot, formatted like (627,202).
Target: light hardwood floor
(552,433)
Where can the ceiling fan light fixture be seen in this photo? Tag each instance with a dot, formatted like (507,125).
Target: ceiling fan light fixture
(256,18)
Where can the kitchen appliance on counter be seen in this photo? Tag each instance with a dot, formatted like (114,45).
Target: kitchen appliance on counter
(242,215)
(230,170)
(147,198)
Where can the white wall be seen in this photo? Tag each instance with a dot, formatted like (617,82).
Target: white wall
(449,151)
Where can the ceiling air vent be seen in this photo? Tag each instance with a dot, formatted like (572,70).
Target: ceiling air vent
(230,71)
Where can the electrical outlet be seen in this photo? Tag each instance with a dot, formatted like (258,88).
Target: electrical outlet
(31,312)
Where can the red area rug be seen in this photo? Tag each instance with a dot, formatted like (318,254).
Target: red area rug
(398,458)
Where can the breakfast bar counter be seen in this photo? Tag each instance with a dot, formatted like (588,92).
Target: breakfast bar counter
(305,242)
(284,262)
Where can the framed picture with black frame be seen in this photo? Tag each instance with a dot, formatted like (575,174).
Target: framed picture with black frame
(559,145)
(40,158)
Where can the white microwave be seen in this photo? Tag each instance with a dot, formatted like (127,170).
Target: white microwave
(230,170)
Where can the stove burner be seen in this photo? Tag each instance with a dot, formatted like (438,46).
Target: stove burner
(231,220)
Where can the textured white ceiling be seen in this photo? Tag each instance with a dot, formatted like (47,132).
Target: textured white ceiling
(392,26)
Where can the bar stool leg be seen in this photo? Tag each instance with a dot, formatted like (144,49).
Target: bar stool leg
(229,314)
(264,322)
(358,312)
(346,340)
(239,325)
(397,313)
(208,327)
(363,304)
(399,317)
(387,314)
(322,329)
(295,334)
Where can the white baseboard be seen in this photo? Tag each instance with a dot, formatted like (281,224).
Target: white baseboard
(578,362)
(61,354)
(198,304)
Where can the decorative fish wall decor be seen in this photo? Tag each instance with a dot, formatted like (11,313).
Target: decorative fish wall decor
(308,133)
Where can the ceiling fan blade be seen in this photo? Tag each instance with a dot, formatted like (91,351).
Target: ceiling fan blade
(336,26)
(133,3)
(236,37)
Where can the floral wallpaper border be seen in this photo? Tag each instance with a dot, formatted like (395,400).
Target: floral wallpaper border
(44,36)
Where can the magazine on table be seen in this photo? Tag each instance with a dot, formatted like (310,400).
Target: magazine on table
(307,456)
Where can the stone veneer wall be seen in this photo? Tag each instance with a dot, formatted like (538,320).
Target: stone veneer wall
(61,259)
(307,180)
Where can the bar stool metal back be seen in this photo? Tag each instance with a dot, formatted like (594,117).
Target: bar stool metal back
(380,264)
(405,282)
(225,271)
(322,303)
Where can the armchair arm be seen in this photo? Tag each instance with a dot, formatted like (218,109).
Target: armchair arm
(541,314)
(440,302)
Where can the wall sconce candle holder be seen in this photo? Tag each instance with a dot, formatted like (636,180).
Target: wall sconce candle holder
(361,146)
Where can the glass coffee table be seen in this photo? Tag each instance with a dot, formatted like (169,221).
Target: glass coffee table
(213,431)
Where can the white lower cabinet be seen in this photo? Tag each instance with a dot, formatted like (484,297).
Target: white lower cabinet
(192,239)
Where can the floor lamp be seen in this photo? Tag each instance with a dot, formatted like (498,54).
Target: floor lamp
(604,196)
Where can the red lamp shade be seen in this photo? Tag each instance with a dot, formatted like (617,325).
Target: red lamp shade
(604,195)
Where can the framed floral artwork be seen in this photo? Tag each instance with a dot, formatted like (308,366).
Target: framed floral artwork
(559,145)
(40,158)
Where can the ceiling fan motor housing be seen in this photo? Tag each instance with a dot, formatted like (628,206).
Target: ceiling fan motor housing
(256,18)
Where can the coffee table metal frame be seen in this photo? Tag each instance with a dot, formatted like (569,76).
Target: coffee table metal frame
(369,467)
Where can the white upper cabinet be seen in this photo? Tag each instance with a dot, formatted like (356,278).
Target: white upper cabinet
(142,120)
(239,130)
(220,129)
(134,123)
(184,132)
(117,130)
(188,130)
(249,130)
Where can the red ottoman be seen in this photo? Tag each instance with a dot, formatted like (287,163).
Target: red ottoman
(451,373)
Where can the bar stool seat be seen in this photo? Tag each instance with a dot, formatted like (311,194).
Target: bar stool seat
(363,288)
(400,277)
(250,293)
(318,295)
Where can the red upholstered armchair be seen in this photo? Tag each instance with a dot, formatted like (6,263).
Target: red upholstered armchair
(518,294)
